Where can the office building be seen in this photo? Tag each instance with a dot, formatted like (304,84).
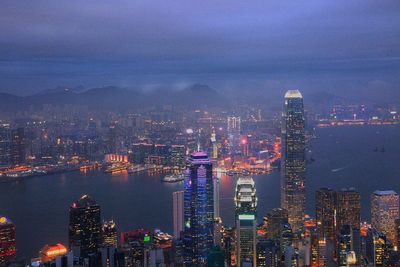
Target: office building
(8,248)
(177,210)
(109,234)
(5,145)
(384,212)
(84,226)
(198,209)
(234,129)
(348,210)
(18,146)
(246,208)
(293,159)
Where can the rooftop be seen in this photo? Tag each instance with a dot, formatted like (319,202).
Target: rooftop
(4,220)
(293,94)
(384,192)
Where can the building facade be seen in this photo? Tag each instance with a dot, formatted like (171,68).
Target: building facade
(293,159)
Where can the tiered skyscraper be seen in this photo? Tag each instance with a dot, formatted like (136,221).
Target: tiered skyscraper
(293,159)
(198,210)
(246,207)
(84,226)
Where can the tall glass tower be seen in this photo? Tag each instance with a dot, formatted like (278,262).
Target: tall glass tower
(246,207)
(293,159)
(198,210)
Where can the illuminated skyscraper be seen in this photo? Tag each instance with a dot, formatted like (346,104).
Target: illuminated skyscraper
(7,241)
(18,146)
(5,145)
(246,207)
(384,212)
(198,210)
(348,208)
(234,129)
(109,233)
(325,210)
(84,226)
(177,210)
(293,159)
(216,181)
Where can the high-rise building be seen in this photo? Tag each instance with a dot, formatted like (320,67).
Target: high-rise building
(376,248)
(246,208)
(84,226)
(5,145)
(7,241)
(234,129)
(293,159)
(325,210)
(109,234)
(177,210)
(18,146)
(397,224)
(384,212)
(216,181)
(276,217)
(348,208)
(198,209)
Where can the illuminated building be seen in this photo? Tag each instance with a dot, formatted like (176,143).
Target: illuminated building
(48,253)
(325,210)
(276,218)
(348,209)
(246,207)
(18,146)
(109,233)
(5,145)
(384,212)
(397,225)
(216,185)
(376,248)
(84,226)
(136,244)
(198,209)
(177,209)
(7,240)
(234,130)
(293,159)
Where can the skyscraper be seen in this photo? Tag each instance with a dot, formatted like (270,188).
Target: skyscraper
(234,128)
(384,212)
(109,234)
(198,209)
(18,146)
(177,210)
(7,241)
(216,185)
(5,145)
(246,207)
(293,159)
(348,208)
(325,210)
(84,226)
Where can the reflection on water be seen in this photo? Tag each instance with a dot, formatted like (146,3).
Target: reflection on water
(39,206)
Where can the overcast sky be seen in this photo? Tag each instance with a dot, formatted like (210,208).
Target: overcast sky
(336,46)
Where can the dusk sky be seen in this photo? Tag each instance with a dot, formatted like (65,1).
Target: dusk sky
(335,46)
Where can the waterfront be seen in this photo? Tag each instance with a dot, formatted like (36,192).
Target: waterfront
(344,157)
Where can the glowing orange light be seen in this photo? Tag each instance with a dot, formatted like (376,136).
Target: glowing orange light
(56,250)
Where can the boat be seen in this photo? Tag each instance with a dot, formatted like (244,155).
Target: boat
(135,169)
(173,178)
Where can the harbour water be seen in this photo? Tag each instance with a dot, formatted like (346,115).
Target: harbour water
(344,157)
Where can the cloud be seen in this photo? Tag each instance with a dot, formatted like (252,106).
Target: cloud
(100,42)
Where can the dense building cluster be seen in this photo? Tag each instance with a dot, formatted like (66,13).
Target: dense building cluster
(287,236)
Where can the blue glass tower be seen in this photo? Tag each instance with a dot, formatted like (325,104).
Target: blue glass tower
(198,210)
